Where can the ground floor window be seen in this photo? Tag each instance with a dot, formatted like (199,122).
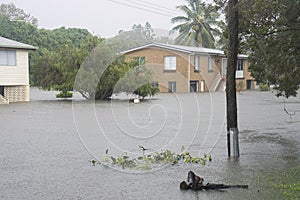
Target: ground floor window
(2,90)
(172,86)
(154,84)
(194,86)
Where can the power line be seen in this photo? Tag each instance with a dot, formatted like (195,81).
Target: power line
(160,6)
(141,8)
(155,6)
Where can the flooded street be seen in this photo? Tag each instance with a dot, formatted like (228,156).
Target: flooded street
(46,145)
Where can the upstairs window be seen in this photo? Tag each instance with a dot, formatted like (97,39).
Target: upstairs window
(224,66)
(239,73)
(141,60)
(240,65)
(210,64)
(8,58)
(196,63)
(170,63)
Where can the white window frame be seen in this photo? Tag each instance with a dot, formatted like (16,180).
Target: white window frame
(196,62)
(210,64)
(8,57)
(239,73)
(170,63)
(224,66)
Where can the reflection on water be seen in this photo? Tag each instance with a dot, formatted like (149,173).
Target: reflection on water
(46,144)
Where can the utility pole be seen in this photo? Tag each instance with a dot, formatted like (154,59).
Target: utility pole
(232,125)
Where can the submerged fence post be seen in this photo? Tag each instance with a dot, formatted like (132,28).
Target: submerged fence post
(234,132)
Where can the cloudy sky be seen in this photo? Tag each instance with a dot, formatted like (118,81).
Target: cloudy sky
(102,17)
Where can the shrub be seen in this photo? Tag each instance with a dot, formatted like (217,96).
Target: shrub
(239,86)
(264,87)
(64,95)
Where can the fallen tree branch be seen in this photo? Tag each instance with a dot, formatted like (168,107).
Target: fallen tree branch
(195,182)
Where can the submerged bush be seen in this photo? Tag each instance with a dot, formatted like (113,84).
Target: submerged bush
(148,161)
(240,86)
(64,95)
(264,87)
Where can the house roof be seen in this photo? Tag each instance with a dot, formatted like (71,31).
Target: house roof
(184,49)
(7,43)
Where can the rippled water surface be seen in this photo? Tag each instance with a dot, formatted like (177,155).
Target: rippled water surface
(46,145)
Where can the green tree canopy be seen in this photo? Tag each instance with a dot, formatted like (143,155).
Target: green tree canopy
(62,52)
(12,13)
(145,31)
(104,73)
(57,69)
(270,33)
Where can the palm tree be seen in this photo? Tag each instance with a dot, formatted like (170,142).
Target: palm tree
(195,29)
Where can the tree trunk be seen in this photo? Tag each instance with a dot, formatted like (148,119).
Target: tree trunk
(196,39)
(231,68)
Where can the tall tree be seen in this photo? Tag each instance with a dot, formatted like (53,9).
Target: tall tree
(145,31)
(57,69)
(196,28)
(232,52)
(137,36)
(16,14)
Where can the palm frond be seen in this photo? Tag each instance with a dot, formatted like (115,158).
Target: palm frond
(208,41)
(195,28)
(183,36)
(180,19)
(208,31)
(182,27)
(190,14)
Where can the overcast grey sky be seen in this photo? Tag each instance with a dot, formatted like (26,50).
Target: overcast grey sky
(102,17)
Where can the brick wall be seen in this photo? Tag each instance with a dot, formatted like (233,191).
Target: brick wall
(155,61)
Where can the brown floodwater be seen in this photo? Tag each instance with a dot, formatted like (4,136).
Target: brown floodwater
(46,145)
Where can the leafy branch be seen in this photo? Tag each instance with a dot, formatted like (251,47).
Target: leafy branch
(148,161)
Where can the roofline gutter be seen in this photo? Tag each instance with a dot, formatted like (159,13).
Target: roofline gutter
(15,47)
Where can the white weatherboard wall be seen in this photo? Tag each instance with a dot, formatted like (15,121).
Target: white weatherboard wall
(14,78)
(16,75)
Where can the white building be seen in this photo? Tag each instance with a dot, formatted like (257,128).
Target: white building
(14,71)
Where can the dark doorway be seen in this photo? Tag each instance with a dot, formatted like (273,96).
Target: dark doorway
(194,86)
(172,86)
(2,90)
(249,84)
